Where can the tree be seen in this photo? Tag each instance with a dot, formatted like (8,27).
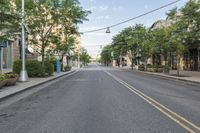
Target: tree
(64,45)
(189,23)
(138,39)
(47,18)
(106,56)
(120,46)
(9,20)
(147,47)
(185,31)
(160,42)
(84,57)
(178,44)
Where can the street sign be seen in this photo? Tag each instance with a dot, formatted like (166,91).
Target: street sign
(3,44)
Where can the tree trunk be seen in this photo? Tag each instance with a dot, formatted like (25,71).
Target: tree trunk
(62,67)
(145,65)
(43,55)
(178,65)
(166,69)
(67,61)
(132,60)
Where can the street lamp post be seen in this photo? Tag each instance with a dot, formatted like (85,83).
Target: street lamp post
(23,73)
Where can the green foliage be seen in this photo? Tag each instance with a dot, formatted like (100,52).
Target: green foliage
(11,75)
(172,13)
(47,19)
(34,68)
(106,56)
(49,68)
(3,77)
(17,66)
(183,33)
(9,20)
(44,16)
(119,43)
(84,57)
(186,29)
(8,76)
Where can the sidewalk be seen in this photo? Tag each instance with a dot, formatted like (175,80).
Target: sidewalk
(190,76)
(33,82)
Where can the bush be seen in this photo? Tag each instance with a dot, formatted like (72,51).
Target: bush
(34,68)
(53,62)
(11,75)
(3,77)
(17,66)
(49,68)
(149,66)
(141,67)
(67,68)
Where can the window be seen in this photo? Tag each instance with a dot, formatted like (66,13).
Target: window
(7,56)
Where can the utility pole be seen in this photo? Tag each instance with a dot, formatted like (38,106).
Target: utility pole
(23,73)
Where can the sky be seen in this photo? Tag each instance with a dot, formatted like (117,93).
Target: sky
(108,12)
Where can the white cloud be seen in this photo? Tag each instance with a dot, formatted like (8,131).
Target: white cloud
(103,17)
(118,8)
(92,8)
(89,28)
(98,8)
(103,8)
(146,6)
(107,17)
(92,41)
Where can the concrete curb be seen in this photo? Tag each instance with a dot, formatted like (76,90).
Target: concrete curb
(171,77)
(165,76)
(35,85)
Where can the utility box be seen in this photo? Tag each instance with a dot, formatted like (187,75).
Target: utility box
(58,67)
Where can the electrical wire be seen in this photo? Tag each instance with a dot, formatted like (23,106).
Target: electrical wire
(141,15)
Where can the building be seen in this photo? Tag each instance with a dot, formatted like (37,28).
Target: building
(10,52)
(190,59)
(7,55)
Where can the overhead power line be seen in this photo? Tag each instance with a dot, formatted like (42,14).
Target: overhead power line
(141,15)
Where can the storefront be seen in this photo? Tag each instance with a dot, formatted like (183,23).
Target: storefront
(192,59)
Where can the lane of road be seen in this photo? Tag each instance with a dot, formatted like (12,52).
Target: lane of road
(180,97)
(91,101)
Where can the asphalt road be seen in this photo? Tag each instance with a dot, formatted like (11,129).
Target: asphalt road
(105,100)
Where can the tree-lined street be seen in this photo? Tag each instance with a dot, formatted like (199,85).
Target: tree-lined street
(77,66)
(95,100)
(168,43)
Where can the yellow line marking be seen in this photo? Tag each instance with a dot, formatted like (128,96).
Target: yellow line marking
(162,108)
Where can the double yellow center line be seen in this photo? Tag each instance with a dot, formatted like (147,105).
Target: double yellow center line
(183,122)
